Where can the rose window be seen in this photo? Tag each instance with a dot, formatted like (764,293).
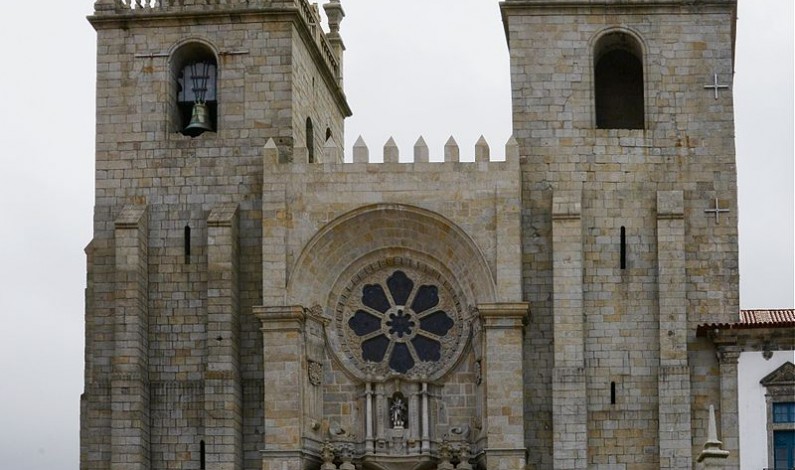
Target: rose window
(402,321)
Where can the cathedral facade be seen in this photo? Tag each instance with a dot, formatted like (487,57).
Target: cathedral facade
(254,301)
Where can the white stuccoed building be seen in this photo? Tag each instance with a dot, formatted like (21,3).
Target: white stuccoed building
(766,390)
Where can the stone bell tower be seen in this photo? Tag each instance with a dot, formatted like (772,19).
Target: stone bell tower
(188,93)
(623,114)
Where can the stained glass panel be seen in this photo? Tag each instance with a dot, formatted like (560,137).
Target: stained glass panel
(400,286)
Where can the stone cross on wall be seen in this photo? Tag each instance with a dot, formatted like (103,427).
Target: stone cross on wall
(717,211)
(715,86)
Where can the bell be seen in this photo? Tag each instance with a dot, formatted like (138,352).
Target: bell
(199,121)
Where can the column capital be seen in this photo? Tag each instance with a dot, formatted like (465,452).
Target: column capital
(728,355)
(504,315)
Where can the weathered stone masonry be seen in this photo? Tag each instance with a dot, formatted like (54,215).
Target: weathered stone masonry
(255,302)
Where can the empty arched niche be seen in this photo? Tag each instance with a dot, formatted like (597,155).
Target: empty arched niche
(618,82)
(194,72)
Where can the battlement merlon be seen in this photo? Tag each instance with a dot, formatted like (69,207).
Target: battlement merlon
(110,13)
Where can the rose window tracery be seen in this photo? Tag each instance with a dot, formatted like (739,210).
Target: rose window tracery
(400,321)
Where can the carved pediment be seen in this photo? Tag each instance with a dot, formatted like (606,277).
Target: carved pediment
(784,375)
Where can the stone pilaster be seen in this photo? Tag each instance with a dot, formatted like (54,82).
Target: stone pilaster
(130,433)
(729,407)
(284,374)
(674,374)
(504,404)
(313,376)
(222,388)
(569,401)
(275,223)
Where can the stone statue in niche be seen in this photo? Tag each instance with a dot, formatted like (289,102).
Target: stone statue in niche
(397,411)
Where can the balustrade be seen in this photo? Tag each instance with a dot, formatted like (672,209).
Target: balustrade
(306,11)
(169,4)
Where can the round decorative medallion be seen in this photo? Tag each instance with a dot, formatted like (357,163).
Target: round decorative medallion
(399,320)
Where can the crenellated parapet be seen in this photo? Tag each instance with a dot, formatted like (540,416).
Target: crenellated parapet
(391,153)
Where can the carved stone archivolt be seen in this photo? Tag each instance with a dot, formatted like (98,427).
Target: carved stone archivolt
(399,319)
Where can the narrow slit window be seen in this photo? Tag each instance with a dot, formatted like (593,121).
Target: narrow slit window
(187,244)
(612,393)
(202,456)
(310,140)
(623,248)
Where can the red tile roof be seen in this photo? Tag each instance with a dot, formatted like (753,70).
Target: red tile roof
(757,318)
(767,317)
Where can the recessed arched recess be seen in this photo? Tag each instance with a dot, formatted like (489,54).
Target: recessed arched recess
(194,84)
(387,231)
(618,82)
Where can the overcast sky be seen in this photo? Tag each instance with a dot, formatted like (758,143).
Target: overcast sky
(413,67)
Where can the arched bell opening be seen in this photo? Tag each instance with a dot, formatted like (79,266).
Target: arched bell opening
(619,82)
(194,72)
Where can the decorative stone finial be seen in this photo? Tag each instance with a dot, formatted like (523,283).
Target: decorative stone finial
(713,454)
(327,454)
(420,151)
(445,456)
(346,455)
(335,14)
(463,458)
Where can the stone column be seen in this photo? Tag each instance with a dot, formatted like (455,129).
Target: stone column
(130,433)
(222,389)
(426,420)
(414,413)
(381,412)
(569,400)
(674,374)
(283,372)
(368,416)
(504,385)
